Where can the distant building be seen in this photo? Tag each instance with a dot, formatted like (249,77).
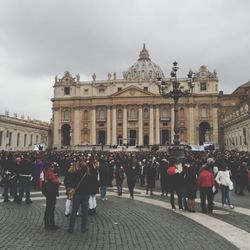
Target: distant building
(19,134)
(235,119)
(130,111)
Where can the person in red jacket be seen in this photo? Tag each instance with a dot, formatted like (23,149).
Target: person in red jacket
(52,181)
(206,183)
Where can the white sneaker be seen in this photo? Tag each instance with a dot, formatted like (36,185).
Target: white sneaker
(231,206)
(105,198)
(225,206)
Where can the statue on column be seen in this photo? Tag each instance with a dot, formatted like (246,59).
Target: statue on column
(56,79)
(109,76)
(114,75)
(77,77)
(94,77)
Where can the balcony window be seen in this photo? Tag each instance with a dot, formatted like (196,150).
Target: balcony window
(66,90)
(133,114)
(203,86)
(119,114)
(66,115)
(164,113)
(145,113)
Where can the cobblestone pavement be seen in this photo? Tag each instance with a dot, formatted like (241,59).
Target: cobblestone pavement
(120,223)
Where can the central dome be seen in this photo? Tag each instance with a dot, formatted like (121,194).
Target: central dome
(143,69)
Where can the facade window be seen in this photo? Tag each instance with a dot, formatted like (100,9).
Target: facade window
(204,112)
(101,114)
(86,115)
(18,140)
(164,113)
(31,140)
(182,113)
(244,136)
(36,139)
(66,90)
(101,91)
(66,115)
(145,88)
(10,138)
(119,89)
(145,113)
(240,140)
(203,86)
(133,114)
(119,114)
(86,91)
(1,138)
(25,140)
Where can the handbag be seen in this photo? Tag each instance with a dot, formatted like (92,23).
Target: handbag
(71,191)
(230,185)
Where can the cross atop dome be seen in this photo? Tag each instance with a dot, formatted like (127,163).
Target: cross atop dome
(144,55)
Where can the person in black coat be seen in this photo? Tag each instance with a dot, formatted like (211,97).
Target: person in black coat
(94,184)
(10,179)
(80,180)
(25,173)
(150,176)
(131,177)
(163,176)
(104,177)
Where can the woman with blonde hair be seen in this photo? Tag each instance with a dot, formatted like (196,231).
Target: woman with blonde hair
(74,167)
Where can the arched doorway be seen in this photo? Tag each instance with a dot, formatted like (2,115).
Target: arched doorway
(119,140)
(102,137)
(204,133)
(164,137)
(65,135)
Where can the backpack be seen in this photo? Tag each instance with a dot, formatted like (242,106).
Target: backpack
(171,170)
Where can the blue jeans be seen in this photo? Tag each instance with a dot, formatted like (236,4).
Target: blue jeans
(225,195)
(119,188)
(83,200)
(103,191)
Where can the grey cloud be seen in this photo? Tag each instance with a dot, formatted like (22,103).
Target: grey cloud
(44,38)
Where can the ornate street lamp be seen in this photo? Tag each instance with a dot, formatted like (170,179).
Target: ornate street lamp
(175,90)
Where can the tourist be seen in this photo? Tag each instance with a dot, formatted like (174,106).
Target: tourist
(50,190)
(226,185)
(80,181)
(205,184)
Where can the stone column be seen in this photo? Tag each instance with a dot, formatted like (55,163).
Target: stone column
(191,124)
(151,125)
(76,131)
(125,125)
(172,124)
(157,125)
(215,124)
(114,142)
(93,126)
(56,129)
(140,127)
(108,126)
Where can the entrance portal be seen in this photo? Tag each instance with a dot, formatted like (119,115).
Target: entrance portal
(204,133)
(101,137)
(145,140)
(132,137)
(164,136)
(65,135)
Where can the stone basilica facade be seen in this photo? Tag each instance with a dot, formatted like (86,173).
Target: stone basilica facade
(131,110)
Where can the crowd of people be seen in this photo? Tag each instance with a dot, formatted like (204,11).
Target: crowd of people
(86,174)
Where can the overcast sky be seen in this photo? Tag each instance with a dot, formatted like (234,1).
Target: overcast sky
(43,38)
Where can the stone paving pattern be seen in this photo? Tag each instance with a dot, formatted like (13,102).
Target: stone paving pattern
(120,224)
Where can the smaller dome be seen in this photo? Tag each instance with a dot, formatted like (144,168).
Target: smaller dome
(144,68)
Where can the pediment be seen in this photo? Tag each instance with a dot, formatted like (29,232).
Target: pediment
(132,91)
